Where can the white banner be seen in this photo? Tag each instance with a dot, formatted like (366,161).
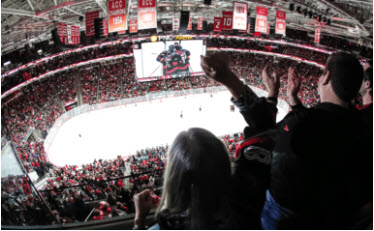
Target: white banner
(175,23)
(240,16)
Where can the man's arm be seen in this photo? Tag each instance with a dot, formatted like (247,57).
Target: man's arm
(298,110)
(259,113)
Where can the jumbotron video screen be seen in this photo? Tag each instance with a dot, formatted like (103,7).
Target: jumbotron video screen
(168,59)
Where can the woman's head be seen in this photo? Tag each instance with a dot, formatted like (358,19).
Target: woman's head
(197,176)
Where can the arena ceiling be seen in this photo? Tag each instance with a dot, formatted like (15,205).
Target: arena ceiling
(25,21)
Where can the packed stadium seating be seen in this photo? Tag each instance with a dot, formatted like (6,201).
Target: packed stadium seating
(70,189)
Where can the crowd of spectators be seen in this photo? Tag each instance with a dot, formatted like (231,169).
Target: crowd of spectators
(64,60)
(73,192)
(39,104)
(114,182)
(125,48)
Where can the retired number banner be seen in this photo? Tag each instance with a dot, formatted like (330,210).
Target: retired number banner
(239,20)
(217,24)
(133,25)
(68,34)
(175,23)
(105,27)
(90,18)
(147,14)
(189,27)
(227,20)
(200,23)
(261,19)
(280,25)
(317,35)
(117,15)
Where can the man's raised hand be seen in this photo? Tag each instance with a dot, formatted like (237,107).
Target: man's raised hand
(271,81)
(293,87)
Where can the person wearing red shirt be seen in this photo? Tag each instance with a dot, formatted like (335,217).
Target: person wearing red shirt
(98,215)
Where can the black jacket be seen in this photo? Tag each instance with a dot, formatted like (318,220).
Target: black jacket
(322,165)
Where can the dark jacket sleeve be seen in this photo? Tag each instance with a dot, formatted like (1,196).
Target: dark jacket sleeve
(258,113)
(251,173)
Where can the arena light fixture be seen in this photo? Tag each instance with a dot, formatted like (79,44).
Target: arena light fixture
(154,38)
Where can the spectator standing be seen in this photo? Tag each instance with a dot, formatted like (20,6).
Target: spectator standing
(322,166)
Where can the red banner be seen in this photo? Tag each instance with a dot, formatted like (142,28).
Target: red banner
(317,35)
(175,23)
(105,27)
(280,25)
(147,14)
(121,32)
(239,20)
(133,25)
(261,19)
(69,34)
(189,27)
(90,18)
(217,27)
(227,20)
(200,23)
(117,15)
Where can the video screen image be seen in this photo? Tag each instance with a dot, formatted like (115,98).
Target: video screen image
(170,59)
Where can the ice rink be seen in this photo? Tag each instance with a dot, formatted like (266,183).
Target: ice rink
(122,130)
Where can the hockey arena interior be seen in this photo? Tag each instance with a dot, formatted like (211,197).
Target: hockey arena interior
(186,114)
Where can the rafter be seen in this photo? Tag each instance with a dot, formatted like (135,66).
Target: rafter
(33,15)
(102,6)
(31,6)
(73,11)
(343,12)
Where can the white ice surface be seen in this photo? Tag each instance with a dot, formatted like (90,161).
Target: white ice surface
(123,130)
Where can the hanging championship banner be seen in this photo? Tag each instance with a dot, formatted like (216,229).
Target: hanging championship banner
(200,23)
(105,27)
(217,26)
(175,23)
(117,15)
(280,25)
(317,35)
(90,18)
(147,14)
(268,29)
(249,26)
(261,19)
(227,20)
(189,27)
(133,25)
(69,34)
(239,19)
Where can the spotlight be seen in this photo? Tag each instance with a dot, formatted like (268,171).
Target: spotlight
(292,7)
(298,9)
(305,11)
(310,14)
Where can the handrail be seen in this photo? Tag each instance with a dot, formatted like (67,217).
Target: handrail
(89,215)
